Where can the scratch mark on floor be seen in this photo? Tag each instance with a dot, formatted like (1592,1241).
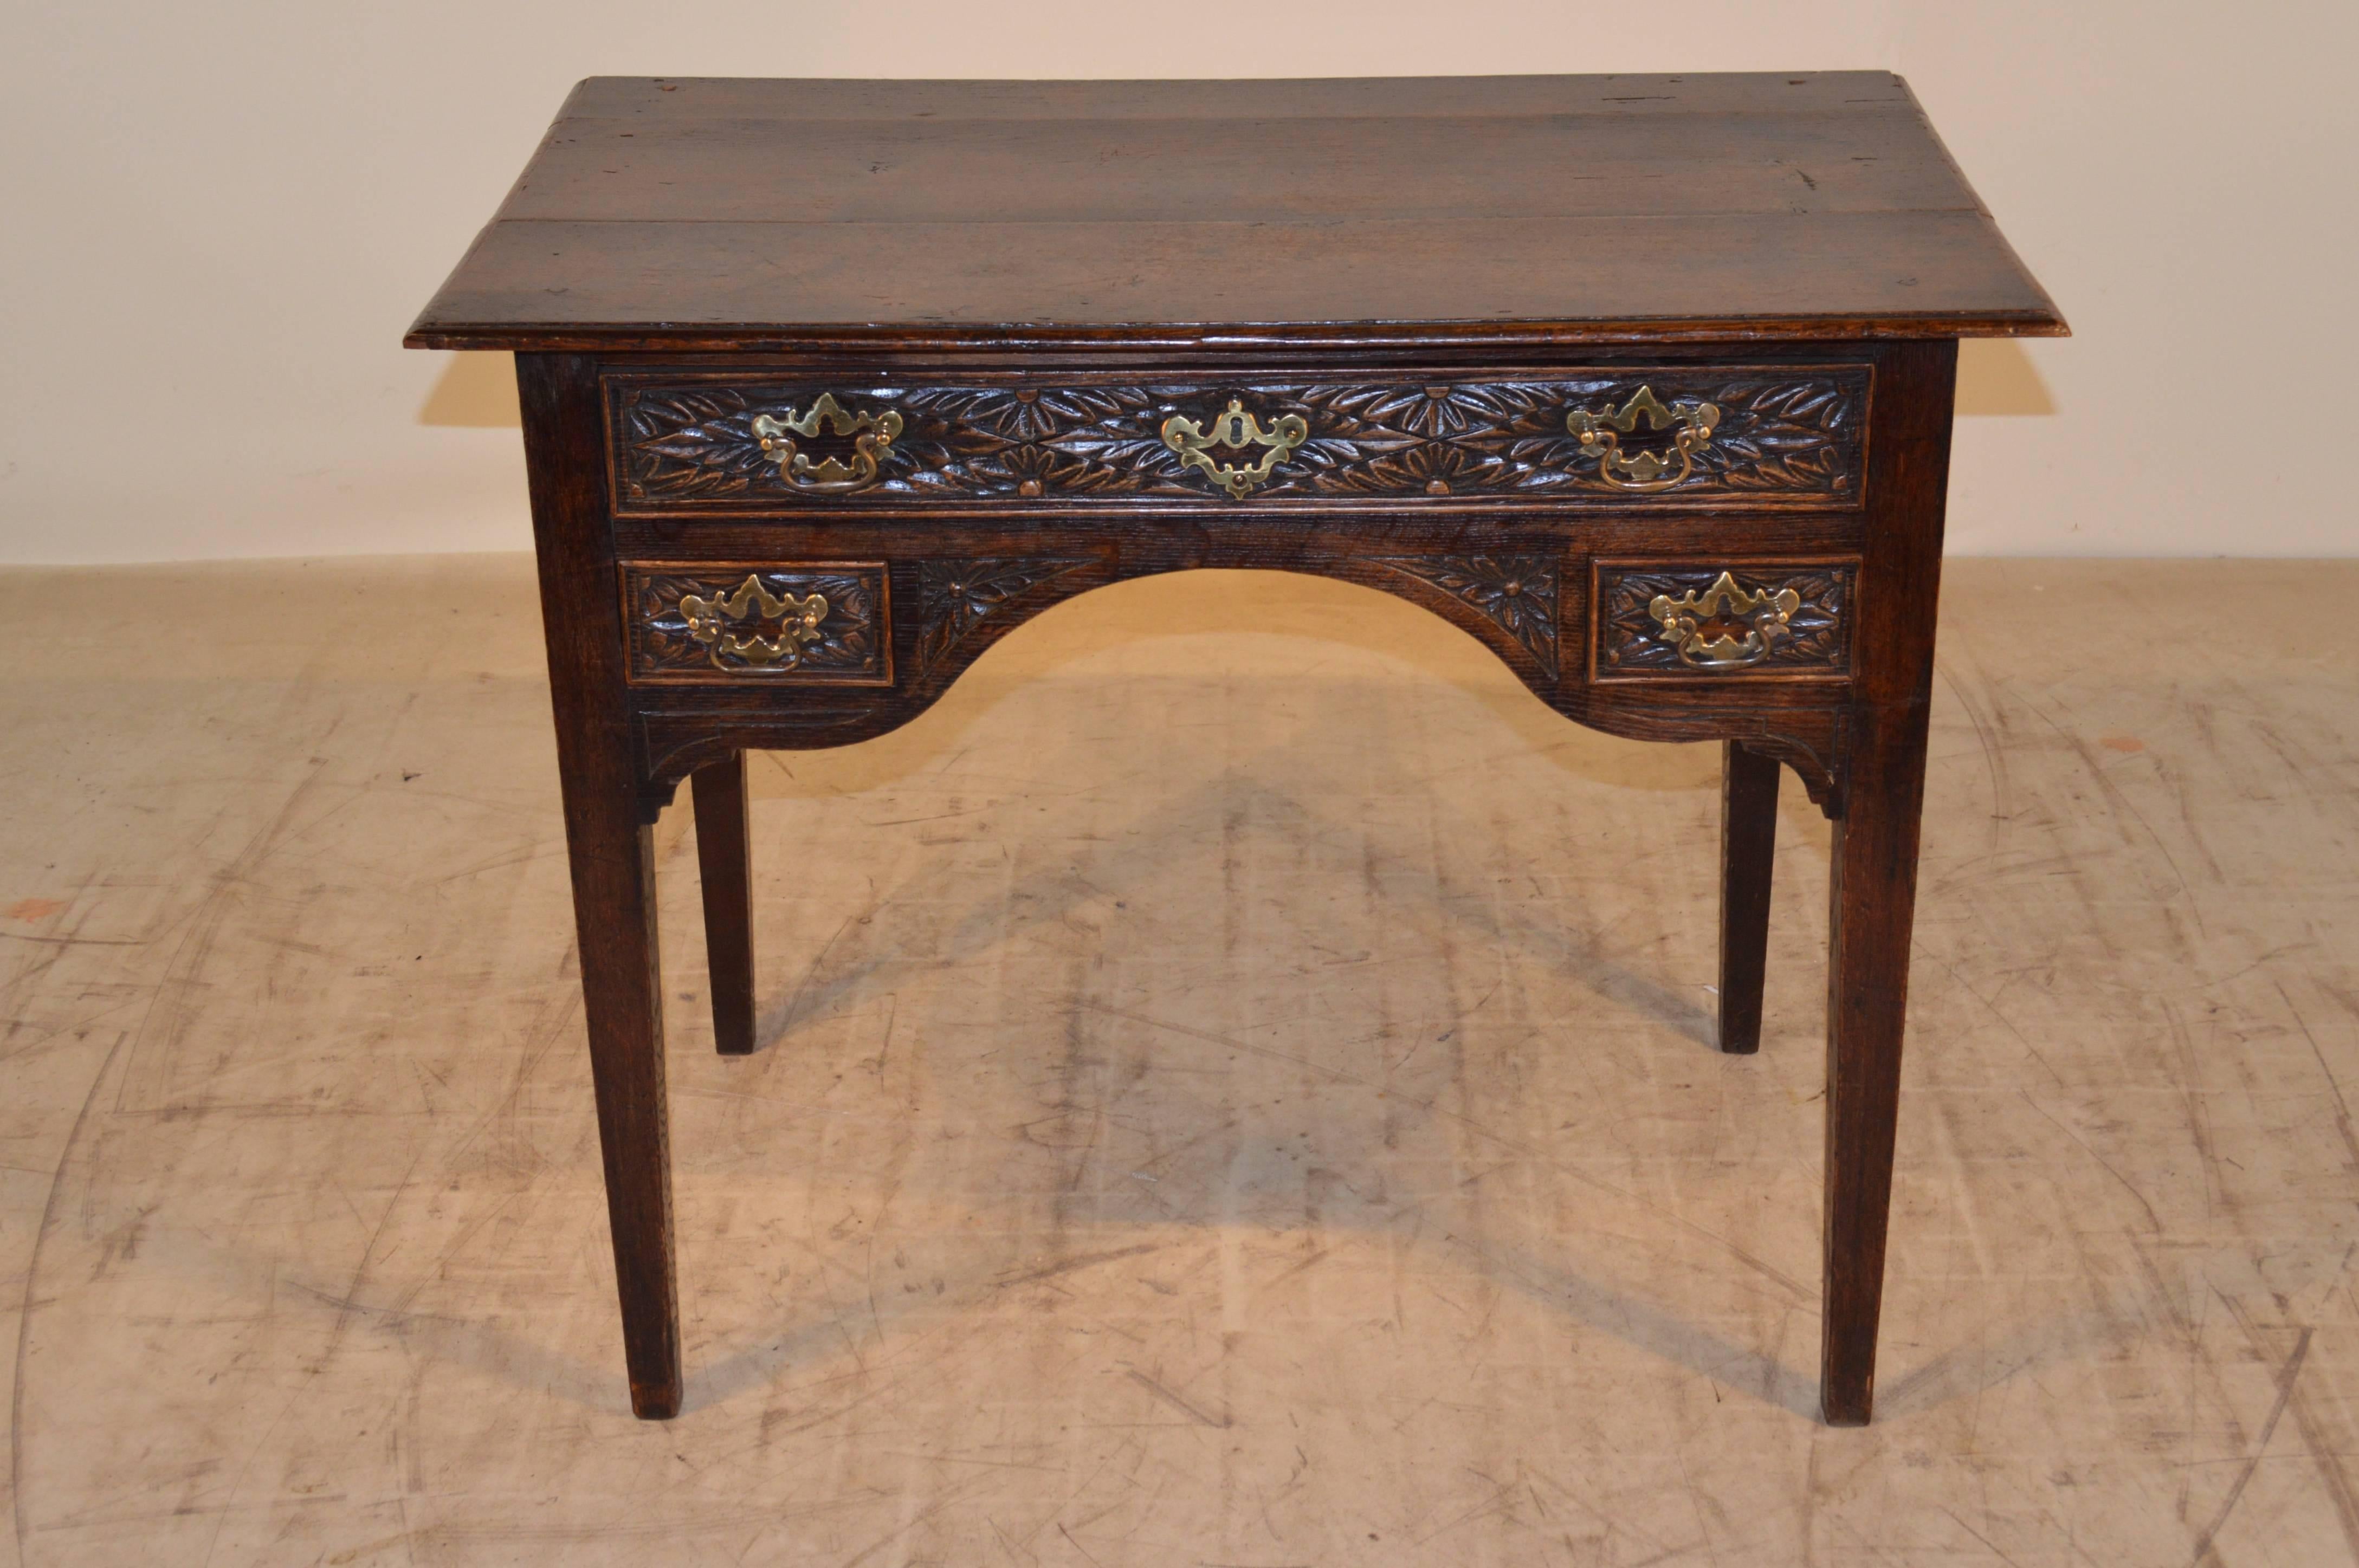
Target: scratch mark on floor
(25,1307)
(1081,1260)
(1196,1413)
(2292,1369)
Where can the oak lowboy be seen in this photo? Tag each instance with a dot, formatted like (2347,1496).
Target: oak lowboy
(1644,383)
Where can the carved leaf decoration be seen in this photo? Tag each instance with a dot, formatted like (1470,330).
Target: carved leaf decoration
(694,444)
(957,596)
(1817,633)
(1516,593)
(1794,432)
(1419,468)
(1788,437)
(847,642)
(1439,411)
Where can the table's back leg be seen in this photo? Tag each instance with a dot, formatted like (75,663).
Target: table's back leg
(724,858)
(612,854)
(1873,890)
(1748,844)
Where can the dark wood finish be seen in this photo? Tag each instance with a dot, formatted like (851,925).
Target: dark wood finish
(612,857)
(1518,594)
(674,610)
(724,862)
(1748,848)
(1786,437)
(1814,641)
(1477,259)
(689,214)
(1873,893)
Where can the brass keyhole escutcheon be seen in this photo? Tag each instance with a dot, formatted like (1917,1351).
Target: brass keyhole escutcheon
(1234,430)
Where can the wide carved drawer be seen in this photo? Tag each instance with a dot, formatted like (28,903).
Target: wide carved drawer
(1714,621)
(1730,438)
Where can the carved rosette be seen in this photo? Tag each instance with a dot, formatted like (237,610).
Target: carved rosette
(955,597)
(1518,594)
(750,623)
(1783,434)
(1716,622)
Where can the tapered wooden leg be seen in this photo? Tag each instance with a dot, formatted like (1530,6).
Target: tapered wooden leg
(611,853)
(724,858)
(1748,844)
(622,991)
(1872,892)
(1872,910)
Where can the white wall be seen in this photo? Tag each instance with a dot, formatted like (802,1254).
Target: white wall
(220,218)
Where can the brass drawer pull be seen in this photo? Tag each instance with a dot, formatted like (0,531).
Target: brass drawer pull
(1641,473)
(872,438)
(1702,627)
(709,620)
(1234,428)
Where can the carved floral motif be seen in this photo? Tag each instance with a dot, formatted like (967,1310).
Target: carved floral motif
(1515,593)
(1707,622)
(954,597)
(1783,433)
(791,624)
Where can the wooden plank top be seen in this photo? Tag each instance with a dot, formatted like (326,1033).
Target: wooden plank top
(707,213)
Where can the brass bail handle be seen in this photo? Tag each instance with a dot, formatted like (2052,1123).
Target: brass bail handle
(709,622)
(872,441)
(1686,622)
(1601,433)
(1234,428)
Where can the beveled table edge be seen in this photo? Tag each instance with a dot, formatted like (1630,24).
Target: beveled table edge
(1257,337)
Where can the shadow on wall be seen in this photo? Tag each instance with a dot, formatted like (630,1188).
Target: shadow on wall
(477,391)
(1994,376)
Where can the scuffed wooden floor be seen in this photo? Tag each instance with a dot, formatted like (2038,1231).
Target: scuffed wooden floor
(1237,1092)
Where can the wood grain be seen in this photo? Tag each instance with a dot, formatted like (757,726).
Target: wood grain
(724,865)
(694,214)
(1872,895)
(613,860)
(1748,848)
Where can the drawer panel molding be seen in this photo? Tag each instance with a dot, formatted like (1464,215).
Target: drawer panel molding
(818,625)
(1708,621)
(1735,438)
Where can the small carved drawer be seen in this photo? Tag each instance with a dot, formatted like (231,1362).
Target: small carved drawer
(818,624)
(1752,620)
(1732,438)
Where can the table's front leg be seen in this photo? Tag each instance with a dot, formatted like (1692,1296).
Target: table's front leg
(611,853)
(1871,908)
(621,997)
(1872,892)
